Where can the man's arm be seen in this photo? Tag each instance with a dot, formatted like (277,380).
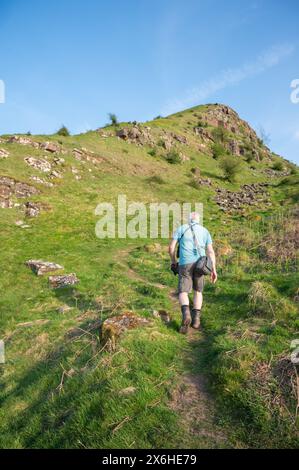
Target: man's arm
(172,251)
(211,255)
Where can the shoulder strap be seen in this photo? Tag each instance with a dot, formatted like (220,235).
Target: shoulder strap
(189,226)
(195,240)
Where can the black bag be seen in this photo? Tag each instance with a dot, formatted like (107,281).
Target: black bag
(203,266)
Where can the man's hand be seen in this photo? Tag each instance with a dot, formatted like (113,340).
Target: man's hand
(174,268)
(214,276)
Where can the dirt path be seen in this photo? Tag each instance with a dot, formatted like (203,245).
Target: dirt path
(191,399)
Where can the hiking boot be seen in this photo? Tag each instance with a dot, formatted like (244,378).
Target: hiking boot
(186,319)
(195,319)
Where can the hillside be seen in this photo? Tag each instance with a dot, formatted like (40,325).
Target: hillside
(65,384)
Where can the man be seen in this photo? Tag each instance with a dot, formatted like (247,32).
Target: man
(194,241)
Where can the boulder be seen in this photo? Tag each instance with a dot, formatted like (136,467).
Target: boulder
(112,328)
(50,147)
(41,267)
(32,209)
(67,280)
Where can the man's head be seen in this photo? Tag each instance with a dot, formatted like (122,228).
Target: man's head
(194,218)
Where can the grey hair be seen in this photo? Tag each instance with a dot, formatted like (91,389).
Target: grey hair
(194,217)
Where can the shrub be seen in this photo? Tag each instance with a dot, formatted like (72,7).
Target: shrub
(230,166)
(218,151)
(63,131)
(249,156)
(173,157)
(278,166)
(156,179)
(264,300)
(113,119)
(152,152)
(219,134)
(158,117)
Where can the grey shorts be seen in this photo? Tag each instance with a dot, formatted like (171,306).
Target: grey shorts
(188,280)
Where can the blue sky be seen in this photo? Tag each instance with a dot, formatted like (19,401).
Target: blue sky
(73,61)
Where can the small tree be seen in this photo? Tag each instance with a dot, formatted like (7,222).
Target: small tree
(113,119)
(219,134)
(218,151)
(173,157)
(230,166)
(277,166)
(63,131)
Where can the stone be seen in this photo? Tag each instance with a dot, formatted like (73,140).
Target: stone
(55,174)
(31,209)
(23,190)
(41,267)
(163,315)
(112,328)
(59,161)
(180,138)
(38,164)
(6,203)
(50,147)
(67,280)
(64,309)
(39,180)
(4,153)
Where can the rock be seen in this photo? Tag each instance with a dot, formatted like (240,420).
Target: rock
(9,187)
(58,282)
(184,158)
(38,164)
(180,138)
(32,209)
(249,194)
(112,328)
(6,204)
(4,153)
(41,181)
(59,161)
(50,147)
(55,174)
(163,315)
(137,134)
(41,267)
(23,141)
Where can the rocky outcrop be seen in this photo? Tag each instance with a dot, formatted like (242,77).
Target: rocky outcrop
(4,153)
(15,139)
(39,164)
(139,135)
(83,155)
(41,267)
(66,280)
(112,328)
(32,209)
(276,174)
(250,194)
(10,187)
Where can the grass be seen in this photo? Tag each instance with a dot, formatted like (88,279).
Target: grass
(58,388)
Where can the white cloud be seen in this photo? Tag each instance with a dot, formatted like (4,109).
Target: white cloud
(230,77)
(296,135)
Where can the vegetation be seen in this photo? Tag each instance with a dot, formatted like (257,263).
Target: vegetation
(218,151)
(173,157)
(113,119)
(63,131)
(60,387)
(231,167)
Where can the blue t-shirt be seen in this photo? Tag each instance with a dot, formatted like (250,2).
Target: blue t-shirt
(188,251)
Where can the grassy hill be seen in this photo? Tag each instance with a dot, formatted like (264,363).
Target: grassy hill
(230,385)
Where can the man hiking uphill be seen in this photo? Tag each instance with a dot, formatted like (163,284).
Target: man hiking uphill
(196,259)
